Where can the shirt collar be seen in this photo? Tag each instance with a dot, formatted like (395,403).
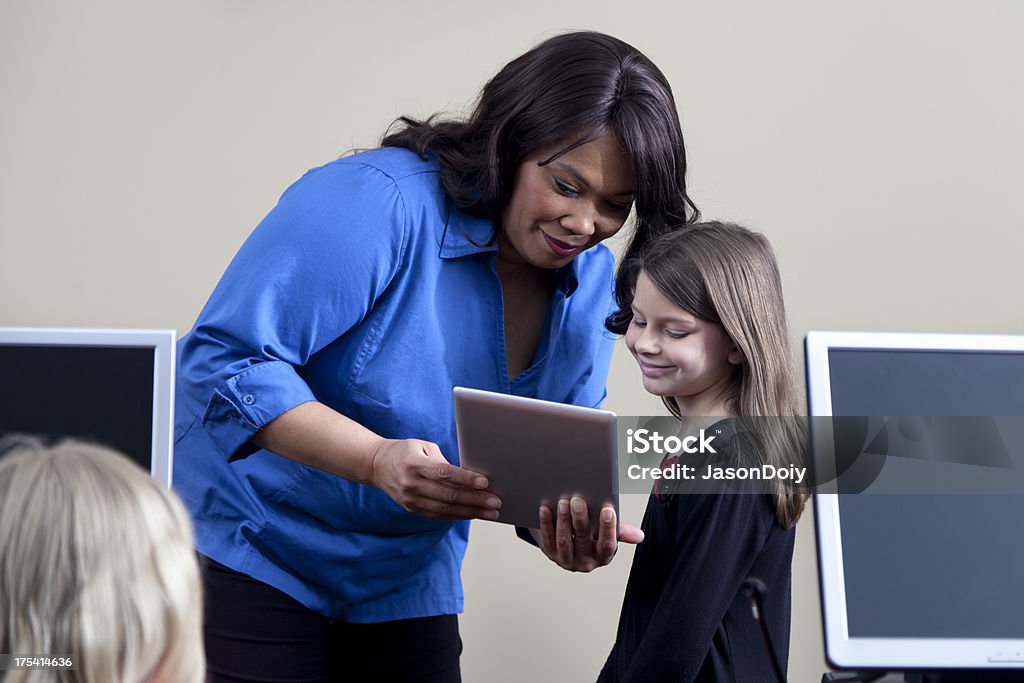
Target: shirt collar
(464,235)
(567,278)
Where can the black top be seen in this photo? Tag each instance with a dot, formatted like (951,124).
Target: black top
(684,617)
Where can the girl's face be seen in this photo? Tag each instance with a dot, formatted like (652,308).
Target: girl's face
(567,206)
(680,355)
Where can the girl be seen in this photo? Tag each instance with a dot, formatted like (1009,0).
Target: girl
(703,315)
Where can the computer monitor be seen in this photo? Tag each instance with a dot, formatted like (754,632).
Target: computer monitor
(112,387)
(923,580)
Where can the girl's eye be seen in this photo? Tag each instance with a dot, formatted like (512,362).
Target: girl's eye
(676,335)
(565,188)
(639,323)
(620,207)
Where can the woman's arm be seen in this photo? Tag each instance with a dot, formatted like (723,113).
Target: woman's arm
(412,472)
(309,274)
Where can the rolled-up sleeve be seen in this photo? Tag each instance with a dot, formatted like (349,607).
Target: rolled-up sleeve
(309,273)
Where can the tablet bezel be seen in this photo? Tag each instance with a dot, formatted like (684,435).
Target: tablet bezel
(535,451)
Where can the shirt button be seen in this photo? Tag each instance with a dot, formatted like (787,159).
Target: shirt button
(248,399)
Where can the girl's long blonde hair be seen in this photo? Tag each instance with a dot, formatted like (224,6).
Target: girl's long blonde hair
(724,273)
(96,561)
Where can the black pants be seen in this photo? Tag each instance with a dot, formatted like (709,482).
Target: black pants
(257,633)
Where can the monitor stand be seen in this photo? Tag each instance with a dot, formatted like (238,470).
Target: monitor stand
(953,676)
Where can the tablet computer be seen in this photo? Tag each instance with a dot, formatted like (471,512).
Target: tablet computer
(535,452)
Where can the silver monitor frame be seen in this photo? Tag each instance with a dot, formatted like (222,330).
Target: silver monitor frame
(841,649)
(162,342)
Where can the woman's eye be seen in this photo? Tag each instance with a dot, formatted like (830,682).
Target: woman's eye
(620,207)
(565,188)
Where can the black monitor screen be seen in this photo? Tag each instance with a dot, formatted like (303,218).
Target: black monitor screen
(931,566)
(99,394)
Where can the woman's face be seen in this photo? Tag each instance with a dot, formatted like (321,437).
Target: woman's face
(562,208)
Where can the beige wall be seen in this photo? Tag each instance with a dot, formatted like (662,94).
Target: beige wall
(878,144)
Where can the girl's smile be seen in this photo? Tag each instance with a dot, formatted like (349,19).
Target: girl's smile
(653,370)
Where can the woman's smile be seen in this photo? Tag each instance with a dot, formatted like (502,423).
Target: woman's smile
(559,248)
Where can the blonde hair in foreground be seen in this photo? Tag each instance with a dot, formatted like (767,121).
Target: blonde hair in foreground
(97,561)
(727,274)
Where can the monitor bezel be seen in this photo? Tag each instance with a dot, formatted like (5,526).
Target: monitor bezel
(842,650)
(162,343)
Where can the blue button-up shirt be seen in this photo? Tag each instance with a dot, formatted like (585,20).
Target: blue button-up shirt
(366,290)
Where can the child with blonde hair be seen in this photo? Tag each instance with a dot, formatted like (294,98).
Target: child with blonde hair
(702,312)
(97,562)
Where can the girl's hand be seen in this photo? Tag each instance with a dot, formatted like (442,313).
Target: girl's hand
(568,541)
(417,477)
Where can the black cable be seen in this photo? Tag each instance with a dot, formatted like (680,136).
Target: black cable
(755,590)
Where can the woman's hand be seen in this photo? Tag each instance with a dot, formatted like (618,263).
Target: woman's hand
(568,541)
(417,477)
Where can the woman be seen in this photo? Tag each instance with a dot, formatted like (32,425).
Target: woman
(315,436)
